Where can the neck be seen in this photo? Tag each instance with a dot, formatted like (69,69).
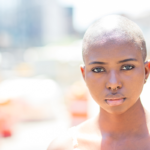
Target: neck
(133,122)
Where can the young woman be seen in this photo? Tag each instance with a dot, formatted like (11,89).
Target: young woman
(115,70)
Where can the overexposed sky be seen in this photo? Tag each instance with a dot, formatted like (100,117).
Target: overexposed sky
(8,4)
(87,11)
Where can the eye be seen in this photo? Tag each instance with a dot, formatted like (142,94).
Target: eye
(97,70)
(127,67)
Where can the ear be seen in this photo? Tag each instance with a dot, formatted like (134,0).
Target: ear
(147,69)
(82,68)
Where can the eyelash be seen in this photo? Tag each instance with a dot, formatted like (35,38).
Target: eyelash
(97,69)
(131,67)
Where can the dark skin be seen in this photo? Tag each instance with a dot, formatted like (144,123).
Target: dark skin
(113,70)
(121,65)
(111,63)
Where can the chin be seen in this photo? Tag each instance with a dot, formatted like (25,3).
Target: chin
(116,111)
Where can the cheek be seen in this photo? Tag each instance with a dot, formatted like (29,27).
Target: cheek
(134,83)
(95,84)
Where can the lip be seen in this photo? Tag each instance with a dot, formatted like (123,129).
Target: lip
(114,98)
(115,101)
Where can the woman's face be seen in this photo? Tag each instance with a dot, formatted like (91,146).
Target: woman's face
(115,74)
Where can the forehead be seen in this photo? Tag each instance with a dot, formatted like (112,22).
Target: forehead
(112,51)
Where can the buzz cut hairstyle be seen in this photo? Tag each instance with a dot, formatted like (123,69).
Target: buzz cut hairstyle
(114,27)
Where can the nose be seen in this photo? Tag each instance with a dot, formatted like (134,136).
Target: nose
(113,81)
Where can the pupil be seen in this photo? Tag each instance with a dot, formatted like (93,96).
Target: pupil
(128,67)
(97,70)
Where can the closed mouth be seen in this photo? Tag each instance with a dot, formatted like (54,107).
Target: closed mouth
(115,101)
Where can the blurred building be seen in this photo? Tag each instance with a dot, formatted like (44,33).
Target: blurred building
(57,21)
(34,23)
(30,23)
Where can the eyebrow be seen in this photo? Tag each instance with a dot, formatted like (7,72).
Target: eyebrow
(97,62)
(121,61)
(125,60)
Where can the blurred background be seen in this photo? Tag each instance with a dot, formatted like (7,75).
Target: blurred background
(42,93)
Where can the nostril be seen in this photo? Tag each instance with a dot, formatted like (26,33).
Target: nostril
(118,87)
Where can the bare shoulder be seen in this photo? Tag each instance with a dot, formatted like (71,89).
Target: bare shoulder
(88,126)
(63,142)
(76,137)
